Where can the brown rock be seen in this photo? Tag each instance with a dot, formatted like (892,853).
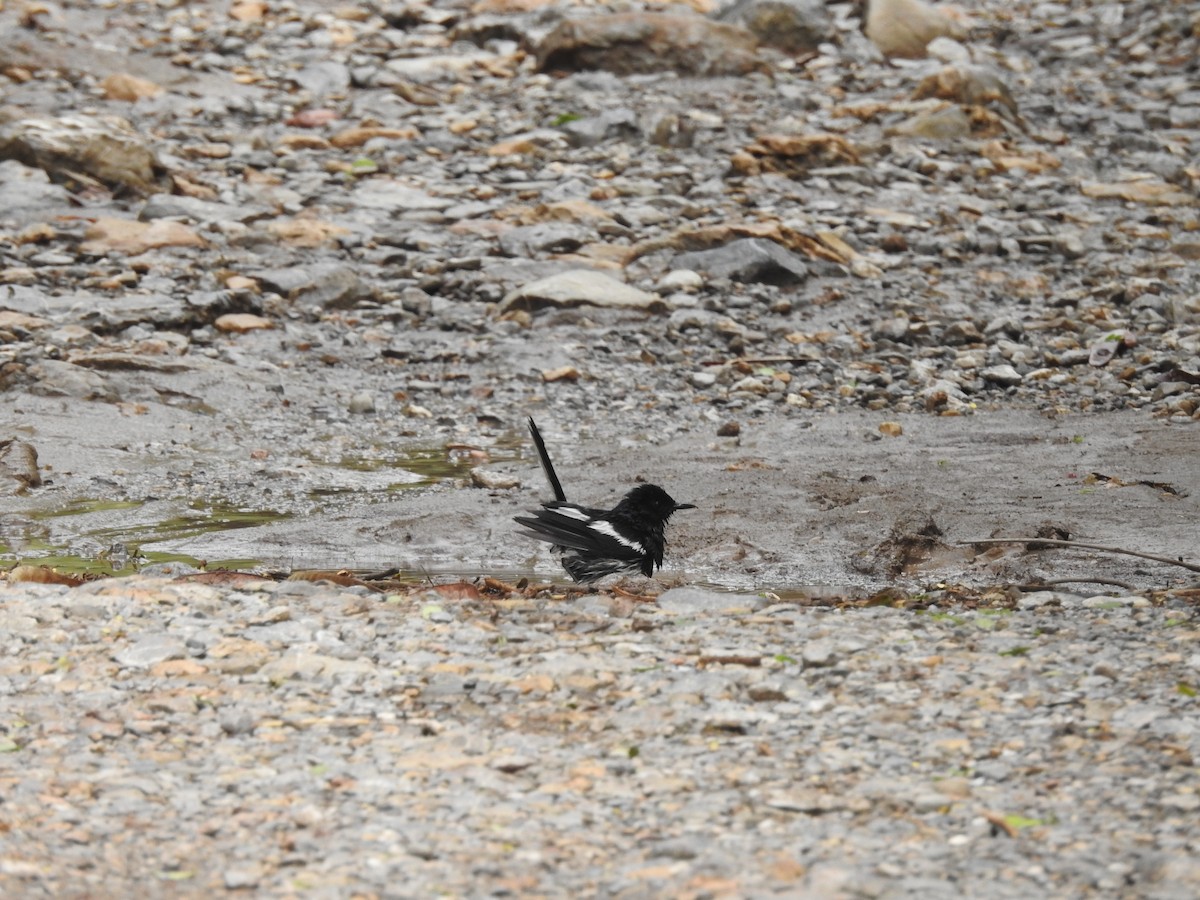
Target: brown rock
(123,86)
(240,323)
(356,137)
(563,373)
(248,10)
(795,154)
(969,85)
(644,43)
(304,232)
(1151,191)
(85,151)
(19,463)
(903,28)
(793,26)
(10,320)
(127,236)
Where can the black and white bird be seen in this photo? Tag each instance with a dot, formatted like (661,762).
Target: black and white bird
(629,538)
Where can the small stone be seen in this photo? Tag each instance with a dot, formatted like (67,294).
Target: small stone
(891,429)
(1102,602)
(1003,375)
(680,280)
(578,287)
(748,260)
(1038,599)
(493,481)
(693,600)
(562,373)
(236,721)
(818,653)
(242,878)
(240,323)
(151,649)
(363,402)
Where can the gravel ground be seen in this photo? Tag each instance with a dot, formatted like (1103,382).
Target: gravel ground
(170,739)
(280,283)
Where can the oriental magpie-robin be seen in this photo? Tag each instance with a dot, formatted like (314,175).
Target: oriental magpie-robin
(593,543)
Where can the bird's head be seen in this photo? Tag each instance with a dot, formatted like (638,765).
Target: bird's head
(651,501)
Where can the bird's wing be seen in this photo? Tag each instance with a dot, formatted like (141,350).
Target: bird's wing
(574,527)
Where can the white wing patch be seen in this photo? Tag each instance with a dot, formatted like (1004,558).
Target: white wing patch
(572,513)
(606,528)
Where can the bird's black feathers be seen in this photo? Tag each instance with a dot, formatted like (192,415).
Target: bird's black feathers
(547,466)
(593,543)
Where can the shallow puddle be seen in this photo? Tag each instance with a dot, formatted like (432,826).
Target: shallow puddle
(102,536)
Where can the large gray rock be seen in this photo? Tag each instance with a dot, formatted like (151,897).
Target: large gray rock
(793,26)
(747,260)
(649,43)
(76,150)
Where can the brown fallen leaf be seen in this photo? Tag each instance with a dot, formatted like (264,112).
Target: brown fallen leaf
(304,232)
(1001,822)
(123,86)
(1152,191)
(42,575)
(107,235)
(312,118)
(564,373)
(248,10)
(458,590)
(226,578)
(240,323)
(341,578)
(356,137)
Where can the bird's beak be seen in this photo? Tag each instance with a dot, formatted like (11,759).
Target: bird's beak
(679,506)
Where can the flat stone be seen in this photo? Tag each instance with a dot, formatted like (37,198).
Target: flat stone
(151,649)
(747,260)
(818,653)
(694,600)
(331,285)
(1004,375)
(578,287)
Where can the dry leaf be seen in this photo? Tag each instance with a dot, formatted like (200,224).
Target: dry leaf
(240,323)
(42,575)
(128,236)
(122,86)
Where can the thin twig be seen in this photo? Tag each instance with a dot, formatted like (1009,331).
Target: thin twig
(1078,545)
(1054,581)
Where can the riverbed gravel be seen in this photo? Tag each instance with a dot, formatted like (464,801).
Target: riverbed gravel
(176,739)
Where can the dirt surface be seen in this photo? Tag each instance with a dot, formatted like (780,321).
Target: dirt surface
(823,503)
(341,317)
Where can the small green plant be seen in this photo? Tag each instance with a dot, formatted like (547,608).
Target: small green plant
(566,119)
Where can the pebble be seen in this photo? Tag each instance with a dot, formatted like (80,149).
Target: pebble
(426,690)
(362,403)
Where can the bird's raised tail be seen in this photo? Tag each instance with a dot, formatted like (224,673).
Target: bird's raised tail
(547,466)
